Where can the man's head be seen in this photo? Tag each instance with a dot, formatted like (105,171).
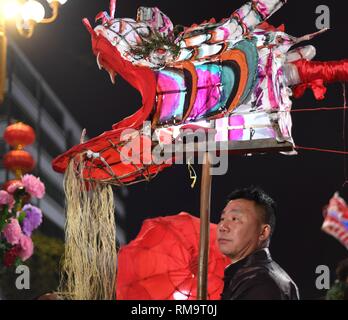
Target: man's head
(247,223)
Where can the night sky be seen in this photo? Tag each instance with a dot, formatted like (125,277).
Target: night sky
(302,185)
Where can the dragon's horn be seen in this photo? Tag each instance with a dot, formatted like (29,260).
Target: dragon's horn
(102,16)
(112,8)
(88,26)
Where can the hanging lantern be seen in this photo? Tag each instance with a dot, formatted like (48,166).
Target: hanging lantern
(19,135)
(19,162)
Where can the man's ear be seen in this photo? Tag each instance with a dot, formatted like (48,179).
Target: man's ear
(265,232)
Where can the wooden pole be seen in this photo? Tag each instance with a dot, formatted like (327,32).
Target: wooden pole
(205,229)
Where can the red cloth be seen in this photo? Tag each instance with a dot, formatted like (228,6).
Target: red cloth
(268,27)
(315,75)
(162,262)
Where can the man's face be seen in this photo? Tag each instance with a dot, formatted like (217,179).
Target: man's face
(240,229)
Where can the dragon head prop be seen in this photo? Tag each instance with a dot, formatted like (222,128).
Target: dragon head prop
(238,74)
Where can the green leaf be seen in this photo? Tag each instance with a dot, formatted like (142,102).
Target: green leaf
(18,262)
(2,222)
(21,216)
(153,42)
(4,217)
(18,206)
(2,246)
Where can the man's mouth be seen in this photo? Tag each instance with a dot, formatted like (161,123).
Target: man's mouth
(223,241)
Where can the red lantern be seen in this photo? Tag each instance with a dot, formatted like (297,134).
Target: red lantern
(19,135)
(19,162)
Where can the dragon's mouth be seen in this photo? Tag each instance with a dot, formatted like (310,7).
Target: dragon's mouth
(141,78)
(102,156)
(107,164)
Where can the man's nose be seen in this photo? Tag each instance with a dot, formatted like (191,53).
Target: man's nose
(222,227)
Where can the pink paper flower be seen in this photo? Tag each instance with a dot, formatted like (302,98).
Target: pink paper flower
(14,186)
(27,247)
(13,232)
(33,186)
(6,198)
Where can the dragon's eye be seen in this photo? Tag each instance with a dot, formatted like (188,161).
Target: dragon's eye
(161,51)
(280,40)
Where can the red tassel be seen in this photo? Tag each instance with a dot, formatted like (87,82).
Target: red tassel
(317,87)
(315,75)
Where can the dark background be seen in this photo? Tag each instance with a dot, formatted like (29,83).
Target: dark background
(301,184)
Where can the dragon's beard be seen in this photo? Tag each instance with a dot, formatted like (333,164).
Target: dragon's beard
(89,263)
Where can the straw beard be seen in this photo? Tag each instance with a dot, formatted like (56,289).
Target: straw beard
(88,268)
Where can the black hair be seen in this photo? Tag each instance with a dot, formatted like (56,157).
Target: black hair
(342,270)
(261,199)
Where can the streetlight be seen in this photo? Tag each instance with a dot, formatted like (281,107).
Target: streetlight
(27,14)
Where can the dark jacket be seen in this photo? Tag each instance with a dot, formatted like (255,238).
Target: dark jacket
(258,277)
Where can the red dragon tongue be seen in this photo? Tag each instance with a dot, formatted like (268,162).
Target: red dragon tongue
(112,8)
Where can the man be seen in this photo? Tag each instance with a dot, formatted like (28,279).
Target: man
(244,233)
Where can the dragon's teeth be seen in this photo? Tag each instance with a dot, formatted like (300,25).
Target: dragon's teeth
(112,76)
(98,61)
